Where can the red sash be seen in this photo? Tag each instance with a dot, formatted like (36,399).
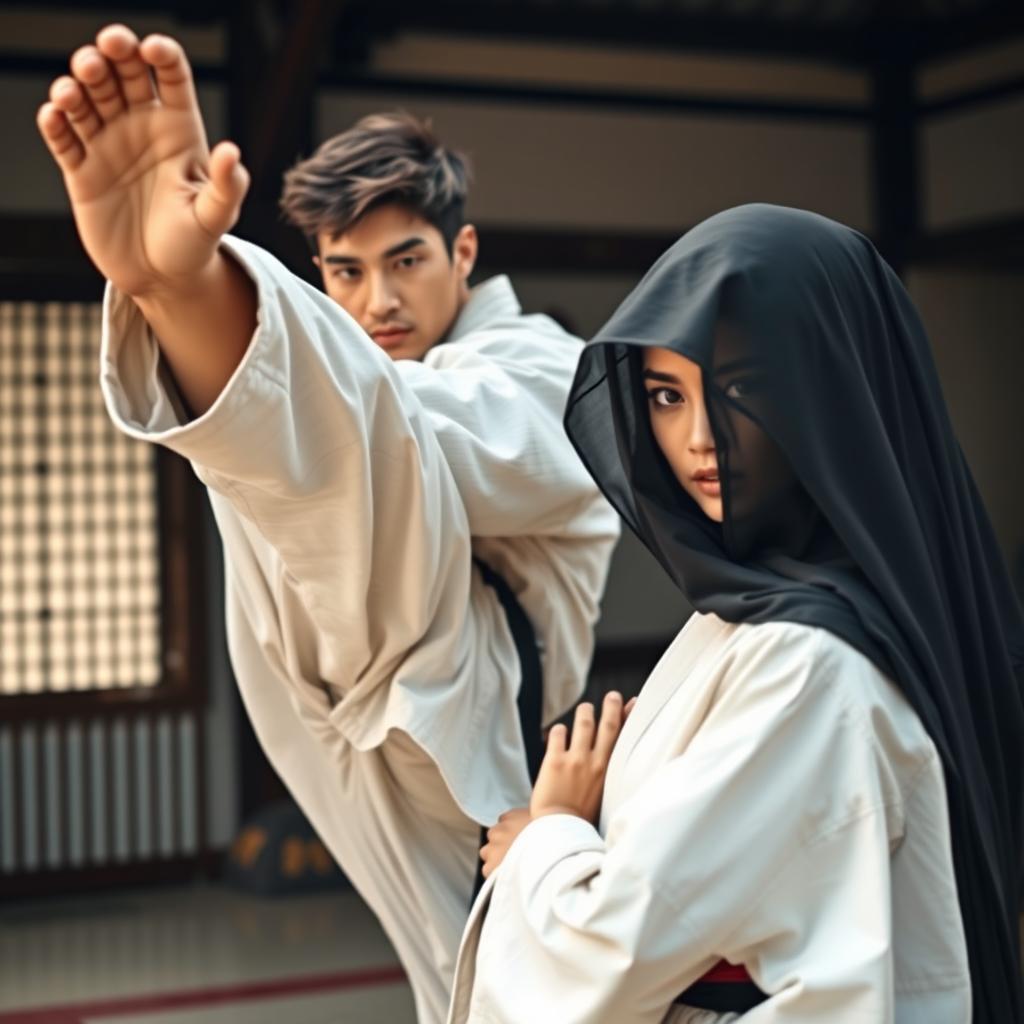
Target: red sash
(726,987)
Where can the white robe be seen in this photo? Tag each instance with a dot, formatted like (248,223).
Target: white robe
(350,492)
(772,800)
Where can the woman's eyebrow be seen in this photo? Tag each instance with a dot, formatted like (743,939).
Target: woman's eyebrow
(666,378)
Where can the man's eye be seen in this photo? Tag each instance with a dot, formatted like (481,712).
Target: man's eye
(408,261)
(665,396)
(346,274)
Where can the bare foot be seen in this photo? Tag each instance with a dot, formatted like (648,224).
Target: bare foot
(149,198)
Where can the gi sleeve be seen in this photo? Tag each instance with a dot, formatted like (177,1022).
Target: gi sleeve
(320,446)
(496,401)
(766,842)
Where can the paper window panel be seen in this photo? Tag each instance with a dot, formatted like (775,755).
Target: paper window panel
(79,543)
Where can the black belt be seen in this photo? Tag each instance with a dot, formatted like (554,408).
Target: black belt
(530,701)
(726,988)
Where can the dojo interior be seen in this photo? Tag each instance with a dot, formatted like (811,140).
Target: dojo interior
(134,801)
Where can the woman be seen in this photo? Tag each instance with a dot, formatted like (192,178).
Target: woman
(821,783)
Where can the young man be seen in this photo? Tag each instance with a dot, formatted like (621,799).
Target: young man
(372,510)
(382,206)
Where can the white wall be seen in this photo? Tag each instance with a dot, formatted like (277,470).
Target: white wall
(540,165)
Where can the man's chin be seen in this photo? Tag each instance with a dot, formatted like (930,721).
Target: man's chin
(406,350)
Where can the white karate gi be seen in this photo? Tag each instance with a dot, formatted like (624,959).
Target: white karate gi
(350,492)
(772,800)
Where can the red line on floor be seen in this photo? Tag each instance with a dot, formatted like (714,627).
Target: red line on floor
(74,1013)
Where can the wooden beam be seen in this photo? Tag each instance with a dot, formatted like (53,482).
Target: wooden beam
(895,169)
(639,26)
(994,246)
(273,69)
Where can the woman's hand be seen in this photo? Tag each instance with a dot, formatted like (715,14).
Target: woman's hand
(501,837)
(571,778)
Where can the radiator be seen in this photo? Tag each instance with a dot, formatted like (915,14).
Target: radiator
(101,791)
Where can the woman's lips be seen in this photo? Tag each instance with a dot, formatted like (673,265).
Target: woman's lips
(707,482)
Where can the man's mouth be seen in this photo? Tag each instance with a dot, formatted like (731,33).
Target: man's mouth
(389,337)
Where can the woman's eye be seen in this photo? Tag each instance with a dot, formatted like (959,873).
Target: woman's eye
(665,396)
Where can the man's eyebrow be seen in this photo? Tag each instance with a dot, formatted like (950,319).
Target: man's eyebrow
(409,243)
(396,250)
(666,378)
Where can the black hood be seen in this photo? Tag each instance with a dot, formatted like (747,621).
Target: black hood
(812,351)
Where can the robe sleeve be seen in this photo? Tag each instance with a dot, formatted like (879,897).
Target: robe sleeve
(496,402)
(765,842)
(321,448)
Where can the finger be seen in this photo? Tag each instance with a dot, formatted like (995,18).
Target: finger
(69,97)
(91,69)
(556,739)
(173,73)
(628,709)
(611,724)
(120,46)
(582,729)
(220,199)
(63,144)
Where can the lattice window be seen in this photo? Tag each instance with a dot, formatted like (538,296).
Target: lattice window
(79,545)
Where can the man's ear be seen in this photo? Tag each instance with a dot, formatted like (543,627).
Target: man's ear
(316,262)
(464,250)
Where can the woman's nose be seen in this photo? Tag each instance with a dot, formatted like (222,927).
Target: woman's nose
(701,439)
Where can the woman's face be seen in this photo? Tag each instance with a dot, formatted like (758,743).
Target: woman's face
(679,420)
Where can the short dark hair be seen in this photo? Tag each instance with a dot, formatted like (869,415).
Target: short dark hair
(383,158)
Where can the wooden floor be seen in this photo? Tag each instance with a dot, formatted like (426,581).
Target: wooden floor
(198,955)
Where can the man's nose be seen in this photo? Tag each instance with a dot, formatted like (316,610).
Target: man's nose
(383,299)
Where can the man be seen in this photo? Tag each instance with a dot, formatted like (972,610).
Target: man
(382,207)
(372,511)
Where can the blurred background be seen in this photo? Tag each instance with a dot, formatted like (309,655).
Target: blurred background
(599,130)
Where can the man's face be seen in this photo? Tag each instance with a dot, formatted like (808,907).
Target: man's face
(392,273)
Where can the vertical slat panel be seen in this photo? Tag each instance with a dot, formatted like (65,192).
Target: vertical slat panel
(63,795)
(142,805)
(122,764)
(189,783)
(53,833)
(8,801)
(199,786)
(154,733)
(99,803)
(76,787)
(74,793)
(163,790)
(110,795)
(131,786)
(28,801)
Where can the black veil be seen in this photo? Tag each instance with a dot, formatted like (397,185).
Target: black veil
(814,358)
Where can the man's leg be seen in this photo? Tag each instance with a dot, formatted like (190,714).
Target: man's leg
(411,854)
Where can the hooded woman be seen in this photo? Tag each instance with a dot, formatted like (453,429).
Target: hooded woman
(814,812)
